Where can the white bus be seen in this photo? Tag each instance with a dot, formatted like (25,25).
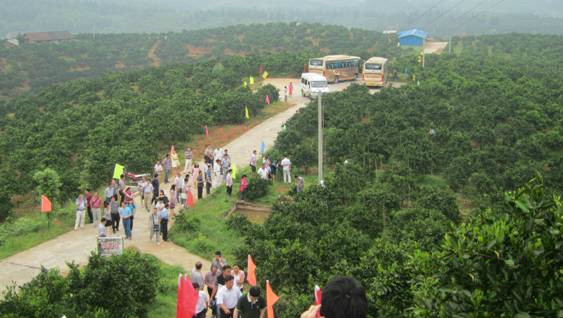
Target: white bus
(373,73)
(336,67)
(312,83)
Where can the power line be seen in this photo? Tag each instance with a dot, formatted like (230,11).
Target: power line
(448,11)
(461,23)
(427,11)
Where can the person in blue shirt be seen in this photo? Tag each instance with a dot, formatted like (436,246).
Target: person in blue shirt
(126,213)
(163,216)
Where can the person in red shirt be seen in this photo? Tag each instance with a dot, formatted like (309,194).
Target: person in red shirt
(96,208)
(290,89)
(243,185)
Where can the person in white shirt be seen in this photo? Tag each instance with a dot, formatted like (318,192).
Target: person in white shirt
(253,161)
(202,302)
(263,172)
(227,298)
(102,228)
(286,164)
(239,276)
(217,173)
(229,182)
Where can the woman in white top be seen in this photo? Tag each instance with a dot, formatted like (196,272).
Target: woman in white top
(217,173)
(239,276)
(202,302)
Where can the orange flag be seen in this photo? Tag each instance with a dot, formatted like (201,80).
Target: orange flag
(271,299)
(190,199)
(45,204)
(251,271)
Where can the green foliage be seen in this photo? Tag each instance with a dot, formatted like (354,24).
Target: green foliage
(424,226)
(442,200)
(48,183)
(257,188)
(119,286)
(502,263)
(5,208)
(239,223)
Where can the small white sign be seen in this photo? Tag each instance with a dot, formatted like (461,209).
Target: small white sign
(108,246)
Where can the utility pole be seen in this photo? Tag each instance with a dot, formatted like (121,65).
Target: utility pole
(320,142)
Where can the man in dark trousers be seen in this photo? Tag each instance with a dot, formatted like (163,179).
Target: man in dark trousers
(155,188)
(251,305)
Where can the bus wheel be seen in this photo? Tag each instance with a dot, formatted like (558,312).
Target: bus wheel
(336,80)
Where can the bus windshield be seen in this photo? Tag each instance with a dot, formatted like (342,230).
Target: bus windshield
(316,62)
(373,66)
(318,84)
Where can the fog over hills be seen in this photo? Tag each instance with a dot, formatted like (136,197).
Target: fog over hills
(440,17)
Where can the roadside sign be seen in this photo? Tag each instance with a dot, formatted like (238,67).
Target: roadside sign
(108,246)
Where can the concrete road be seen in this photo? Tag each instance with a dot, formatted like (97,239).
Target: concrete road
(76,246)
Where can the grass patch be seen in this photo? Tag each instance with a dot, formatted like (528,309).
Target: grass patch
(202,229)
(432,181)
(25,232)
(164,305)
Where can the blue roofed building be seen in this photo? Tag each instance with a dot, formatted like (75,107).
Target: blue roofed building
(414,37)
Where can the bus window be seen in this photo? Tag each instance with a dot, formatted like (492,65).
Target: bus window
(315,62)
(373,66)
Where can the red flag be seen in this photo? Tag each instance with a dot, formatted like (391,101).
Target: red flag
(180,300)
(206,132)
(271,299)
(190,199)
(267,99)
(318,298)
(251,271)
(190,297)
(45,204)
(187,298)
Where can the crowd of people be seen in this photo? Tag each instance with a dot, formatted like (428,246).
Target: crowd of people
(221,291)
(118,207)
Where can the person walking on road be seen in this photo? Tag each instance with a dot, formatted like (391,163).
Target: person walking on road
(115,215)
(239,276)
(163,216)
(251,305)
(197,275)
(89,207)
(158,168)
(208,180)
(227,298)
(96,206)
(290,89)
(200,183)
(173,200)
(81,205)
(211,282)
(147,191)
(285,94)
(286,165)
(167,164)
(155,188)
(154,226)
(217,173)
(253,160)
(125,214)
(188,156)
(202,301)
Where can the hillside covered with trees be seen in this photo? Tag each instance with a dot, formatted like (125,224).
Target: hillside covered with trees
(33,67)
(83,127)
(443,197)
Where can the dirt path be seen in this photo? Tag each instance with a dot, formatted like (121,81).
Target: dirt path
(151,55)
(76,246)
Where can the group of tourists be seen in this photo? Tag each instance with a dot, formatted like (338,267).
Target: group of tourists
(224,291)
(221,290)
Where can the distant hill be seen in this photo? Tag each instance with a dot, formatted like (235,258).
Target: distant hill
(32,67)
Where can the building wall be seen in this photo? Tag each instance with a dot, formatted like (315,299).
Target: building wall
(411,40)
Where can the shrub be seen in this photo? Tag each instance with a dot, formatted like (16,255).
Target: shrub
(118,286)
(187,223)
(5,207)
(239,223)
(269,90)
(425,226)
(257,188)
(443,200)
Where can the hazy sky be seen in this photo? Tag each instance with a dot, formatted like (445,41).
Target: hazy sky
(174,15)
